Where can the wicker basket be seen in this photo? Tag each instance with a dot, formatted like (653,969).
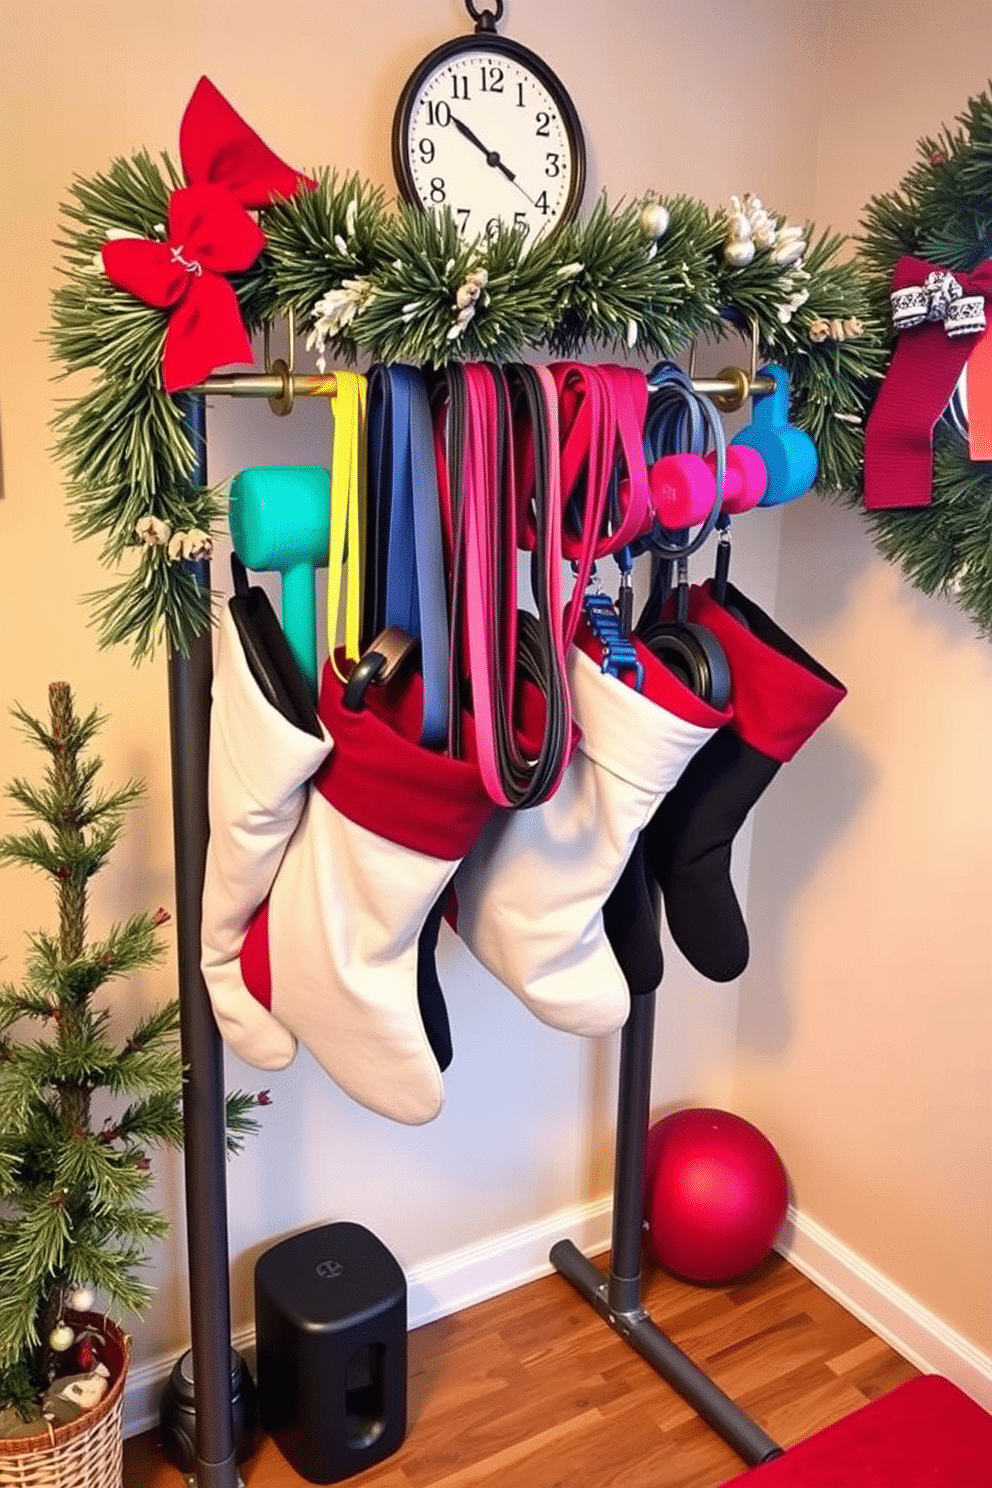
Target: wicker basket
(87,1453)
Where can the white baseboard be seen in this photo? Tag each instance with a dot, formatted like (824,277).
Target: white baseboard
(437,1289)
(912,1329)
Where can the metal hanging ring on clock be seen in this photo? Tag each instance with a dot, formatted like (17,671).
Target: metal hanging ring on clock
(485,20)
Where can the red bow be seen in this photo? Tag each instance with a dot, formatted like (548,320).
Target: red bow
(210,234)
(922,375)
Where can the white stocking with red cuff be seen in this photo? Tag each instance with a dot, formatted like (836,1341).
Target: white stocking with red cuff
(334,952)
(259,767)
(531,893)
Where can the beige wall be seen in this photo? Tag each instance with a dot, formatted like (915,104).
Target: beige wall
(866,1018)
(672,96)
(526,1130)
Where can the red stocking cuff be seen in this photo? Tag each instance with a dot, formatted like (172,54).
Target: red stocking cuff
(780,695)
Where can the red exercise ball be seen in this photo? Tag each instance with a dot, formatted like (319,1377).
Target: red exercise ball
(715,1194)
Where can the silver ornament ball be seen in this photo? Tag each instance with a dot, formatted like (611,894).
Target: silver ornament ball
(738,252)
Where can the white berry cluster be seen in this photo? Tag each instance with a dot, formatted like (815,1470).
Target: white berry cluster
(750,228)
(334,312)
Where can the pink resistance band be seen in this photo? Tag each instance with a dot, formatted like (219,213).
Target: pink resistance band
(466,449)
(490,595)
(524,733)
(504,470)
(602,411)
(633,495)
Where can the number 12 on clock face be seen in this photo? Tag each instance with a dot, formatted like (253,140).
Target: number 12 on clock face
(485,129)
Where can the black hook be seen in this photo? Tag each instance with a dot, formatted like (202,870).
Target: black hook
(485,20)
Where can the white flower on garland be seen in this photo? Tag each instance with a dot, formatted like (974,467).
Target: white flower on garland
(192,544)
(789,307)
(955,584)
(467,297)
(334,312)
(152,531)
(350,218)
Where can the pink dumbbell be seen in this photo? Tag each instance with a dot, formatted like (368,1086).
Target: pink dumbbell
(683,490)
(745,479)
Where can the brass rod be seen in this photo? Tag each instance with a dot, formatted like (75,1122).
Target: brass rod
(265,385)
(306,385)
(722,386)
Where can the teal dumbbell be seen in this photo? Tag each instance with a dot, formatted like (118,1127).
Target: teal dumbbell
(280,523)
(789,454)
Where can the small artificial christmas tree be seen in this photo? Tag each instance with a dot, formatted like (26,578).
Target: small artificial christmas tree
(74,1210)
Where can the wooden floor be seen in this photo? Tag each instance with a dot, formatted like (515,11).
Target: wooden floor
(533,1390)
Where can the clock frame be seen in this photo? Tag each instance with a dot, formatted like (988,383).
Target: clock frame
(452,123)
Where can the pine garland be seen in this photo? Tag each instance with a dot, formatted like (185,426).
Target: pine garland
(941,212)
(366,279)
(75,1196)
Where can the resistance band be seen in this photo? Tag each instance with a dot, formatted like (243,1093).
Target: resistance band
(405,579)
(348,513)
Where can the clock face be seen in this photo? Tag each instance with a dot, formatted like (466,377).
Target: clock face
(486,129)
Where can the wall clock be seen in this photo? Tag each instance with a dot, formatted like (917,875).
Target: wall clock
(484,127)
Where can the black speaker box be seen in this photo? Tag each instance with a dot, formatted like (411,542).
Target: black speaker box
(330,1329)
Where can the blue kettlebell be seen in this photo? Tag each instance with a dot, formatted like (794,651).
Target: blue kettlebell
(789,454)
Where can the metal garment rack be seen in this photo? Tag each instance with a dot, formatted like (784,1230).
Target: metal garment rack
(616,1297)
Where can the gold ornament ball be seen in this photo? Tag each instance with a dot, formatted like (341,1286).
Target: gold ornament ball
(61,1338)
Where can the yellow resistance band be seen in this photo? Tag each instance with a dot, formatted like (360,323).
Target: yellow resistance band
(349,498)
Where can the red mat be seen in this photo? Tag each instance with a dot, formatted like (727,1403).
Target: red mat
(925,1434)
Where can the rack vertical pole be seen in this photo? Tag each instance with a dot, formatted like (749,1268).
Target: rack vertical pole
(617,1297)
(204,1123)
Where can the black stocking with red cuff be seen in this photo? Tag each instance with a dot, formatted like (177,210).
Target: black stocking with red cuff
(780,696)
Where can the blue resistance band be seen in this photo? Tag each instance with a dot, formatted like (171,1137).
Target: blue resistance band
(408,565)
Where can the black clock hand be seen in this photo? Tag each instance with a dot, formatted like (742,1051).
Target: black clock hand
(492,156)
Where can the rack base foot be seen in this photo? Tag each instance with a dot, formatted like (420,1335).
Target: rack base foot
(215,1475)
(637,1329)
